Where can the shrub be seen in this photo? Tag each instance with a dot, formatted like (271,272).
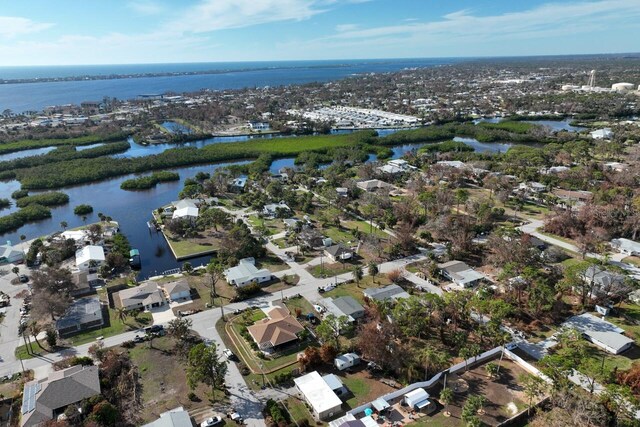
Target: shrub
(83,209)
(248,291)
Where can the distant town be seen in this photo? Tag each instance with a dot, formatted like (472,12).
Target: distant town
(449,246)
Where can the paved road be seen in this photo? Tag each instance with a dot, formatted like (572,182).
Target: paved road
(9,338)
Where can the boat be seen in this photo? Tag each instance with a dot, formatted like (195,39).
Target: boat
(134,259)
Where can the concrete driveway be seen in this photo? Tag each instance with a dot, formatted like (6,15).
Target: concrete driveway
(162,314)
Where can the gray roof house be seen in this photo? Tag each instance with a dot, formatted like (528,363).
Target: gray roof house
(84,282)
(602,280)
(338,253)
(393,292)
(626,246)
(176,417)
(45,399)
(602,333)
(344,306)
(461,274)
(83,314)
(177,290)
(146,296)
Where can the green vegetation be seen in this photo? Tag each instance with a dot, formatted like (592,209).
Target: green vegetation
(445,147)
(27,144)
(510,126)
(16,220)
(5,203)
(19,194)
(64,153)
(146,182)
(53,198)
(80,171)
(83,209)
(360,389)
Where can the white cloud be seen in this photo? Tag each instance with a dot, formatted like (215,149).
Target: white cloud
(146,7)
(13,26)
(346,27)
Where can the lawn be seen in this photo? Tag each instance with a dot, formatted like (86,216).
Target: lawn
(299,411)
(302,304)
(365,227)
(633,260)
(330,270)
(271,263)
(182,248)
(339,235)
(273,226)
(164,389)
(359,388)
(354,290)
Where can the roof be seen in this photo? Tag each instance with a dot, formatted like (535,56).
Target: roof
(333,381)
(184,203)
(460,272)
(380,404)
(145,294)
(373,184)
(178,286)
(81,311)
(177,417)
(62,388)
(245,271)
(8,252)
(602,277)
(387,292)
(599,330)
(337,251)
(89,253)
(346,305)
(347,358)
(279,328)
(317,392)
(185,212)
(416,397)
(626,244)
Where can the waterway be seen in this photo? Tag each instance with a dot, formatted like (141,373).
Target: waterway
(132,209)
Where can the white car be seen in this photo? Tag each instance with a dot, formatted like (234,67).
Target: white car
(213,421)
(320,309)
(329,288)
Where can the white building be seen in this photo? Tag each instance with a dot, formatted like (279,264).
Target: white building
(245,273)
(345,361)
(605,133)
(600,332)
(89,257)
(418,400)
(323,401)
(10,255)
(258,126)
(626,246)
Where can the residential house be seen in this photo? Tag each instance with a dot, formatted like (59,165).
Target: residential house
(342,191)
(573,197)
(338,253)
(187,209)
(604,133)
(532,187)
(372,185)
(311,238)
(418,400)
(46,399)
(396,166)
(291,223)
(335,384)
(318,394)
(258,126)
(275,210)
(602,281)
(279,328)
(10,255)
(454,164)
(146,296)
(178,290)
(85,282)
(344,306)
(390,292)
(238,184)
(626,246)
(461,274)
(600,332)
(89,257)
(82,315)
(246,273)
(176,417)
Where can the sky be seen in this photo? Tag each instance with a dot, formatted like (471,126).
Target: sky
(69,32)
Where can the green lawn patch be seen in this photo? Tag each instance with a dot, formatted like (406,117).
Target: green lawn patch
(359,388)
(184,247)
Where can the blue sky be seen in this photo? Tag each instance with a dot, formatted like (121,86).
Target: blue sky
(63,32)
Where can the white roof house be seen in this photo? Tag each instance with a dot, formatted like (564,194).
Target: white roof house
(626,246)
(460,273)
(176,417)
(324,402)
(602,333)
(89,255)
(186,212)
(605,133)
(246,272)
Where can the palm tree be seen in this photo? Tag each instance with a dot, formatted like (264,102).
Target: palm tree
(465,353)
(122,314)
(446,396)
(35,329)
(64,225)
(357,274)
(16,271)
(373,270)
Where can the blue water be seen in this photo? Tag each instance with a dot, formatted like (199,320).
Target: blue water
(36,96)
(25,153)
(174,127)
(484,147)
(557,125)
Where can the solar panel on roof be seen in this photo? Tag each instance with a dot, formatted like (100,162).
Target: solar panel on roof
(29,399)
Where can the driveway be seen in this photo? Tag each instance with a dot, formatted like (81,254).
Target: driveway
(162,315)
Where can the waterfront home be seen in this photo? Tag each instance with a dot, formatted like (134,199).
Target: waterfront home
(258,126)
(82,315)
(604,133)
(246,273)
(186,208)
(47,399)
(178,290)
(279,328)
(396,166)
(85,282)
(238,184)
(90,256)
(146,296)
(10,255)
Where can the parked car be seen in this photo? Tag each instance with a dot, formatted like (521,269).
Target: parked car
(229,354)
(329,288)
(212,421)
(138,339)
(23,278)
